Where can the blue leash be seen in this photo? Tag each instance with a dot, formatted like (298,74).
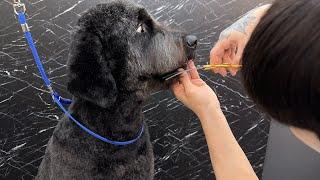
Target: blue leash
(19,9)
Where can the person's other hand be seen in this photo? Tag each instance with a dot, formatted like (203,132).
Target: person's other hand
(232,41)
(194,93)
(228,49)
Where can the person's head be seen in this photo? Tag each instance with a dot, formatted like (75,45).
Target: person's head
(281,63)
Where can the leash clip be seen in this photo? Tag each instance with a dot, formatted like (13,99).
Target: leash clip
(53,94)
(18,7)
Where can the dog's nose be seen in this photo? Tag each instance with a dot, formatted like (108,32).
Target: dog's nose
(191,40)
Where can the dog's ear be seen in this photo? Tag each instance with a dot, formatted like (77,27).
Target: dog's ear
(90,75)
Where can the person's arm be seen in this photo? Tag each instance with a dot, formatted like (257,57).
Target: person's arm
(228,160)
(233,40)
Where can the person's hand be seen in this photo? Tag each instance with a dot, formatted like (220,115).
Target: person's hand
(232,41)
(193,92)
(228,49)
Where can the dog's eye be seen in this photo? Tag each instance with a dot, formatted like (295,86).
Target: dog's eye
(141,29)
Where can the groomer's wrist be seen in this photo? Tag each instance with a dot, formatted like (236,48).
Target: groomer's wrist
(209,112)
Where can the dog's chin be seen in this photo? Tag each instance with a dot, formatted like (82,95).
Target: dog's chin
(161,83)
(158,81)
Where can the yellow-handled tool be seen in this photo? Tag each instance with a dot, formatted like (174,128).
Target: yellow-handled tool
(212,66)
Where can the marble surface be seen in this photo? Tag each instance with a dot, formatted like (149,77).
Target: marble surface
(28,116)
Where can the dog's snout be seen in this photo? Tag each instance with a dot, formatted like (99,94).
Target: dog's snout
(191,40)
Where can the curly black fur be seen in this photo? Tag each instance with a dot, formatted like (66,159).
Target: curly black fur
(117,53)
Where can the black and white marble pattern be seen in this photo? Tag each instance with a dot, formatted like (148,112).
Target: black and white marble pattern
(28,115)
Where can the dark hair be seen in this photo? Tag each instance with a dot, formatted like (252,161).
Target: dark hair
(281,63)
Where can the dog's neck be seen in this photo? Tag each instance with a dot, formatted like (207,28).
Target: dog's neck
(120,122)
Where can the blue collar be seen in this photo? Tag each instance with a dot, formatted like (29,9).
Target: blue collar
(19,9)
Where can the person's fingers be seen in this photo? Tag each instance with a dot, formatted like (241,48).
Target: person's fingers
(239,53)
(233,56)
(233,71)
(237,59)
(193,73)
(185,80)
(223,71)
(217,54)
(227,60)
(233,50)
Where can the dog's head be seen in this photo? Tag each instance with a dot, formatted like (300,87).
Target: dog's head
(118,48)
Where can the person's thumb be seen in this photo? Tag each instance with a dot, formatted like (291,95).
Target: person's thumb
(185,80)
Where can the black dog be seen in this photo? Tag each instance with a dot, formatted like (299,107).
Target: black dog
(116,58)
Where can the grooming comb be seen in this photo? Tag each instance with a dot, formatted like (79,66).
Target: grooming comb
(201,67)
